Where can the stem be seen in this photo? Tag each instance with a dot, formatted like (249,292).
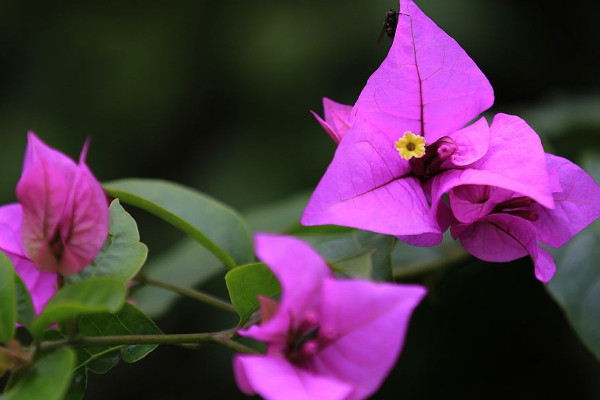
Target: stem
(417,269)
(193,294)
(236,346)
(72,328)
(221,338)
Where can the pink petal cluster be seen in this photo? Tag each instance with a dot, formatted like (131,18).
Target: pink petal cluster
(429,86)
(60,223)
(495,224)
(65,210)
(327,338)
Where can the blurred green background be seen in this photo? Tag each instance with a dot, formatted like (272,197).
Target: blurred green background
(216,95)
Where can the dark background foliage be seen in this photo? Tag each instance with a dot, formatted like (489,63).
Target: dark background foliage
(216,95)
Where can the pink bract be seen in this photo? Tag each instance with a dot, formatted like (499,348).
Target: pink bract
(337,119)
(65,211)
(427,84)
(328,338)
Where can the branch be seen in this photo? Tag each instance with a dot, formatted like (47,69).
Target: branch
(193,294)
(190,340)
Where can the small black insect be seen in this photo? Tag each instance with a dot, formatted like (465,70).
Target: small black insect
(389,24)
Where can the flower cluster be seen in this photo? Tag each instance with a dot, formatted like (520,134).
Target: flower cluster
(404,145)
(327,338)
(59,223)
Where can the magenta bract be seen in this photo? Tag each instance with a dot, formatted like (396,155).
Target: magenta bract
(327,338)
(65,211)
(337,119)
(427,84)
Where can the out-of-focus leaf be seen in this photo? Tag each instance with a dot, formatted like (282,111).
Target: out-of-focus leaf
(591,164)
(7,299)
(24,304)
(356,253)
(245,283)
(122,254)
(46,379)
(89,296)
(214,225)
(279,217)
(284,217)
(556,117)
(576,284)
(409,261)
(78,385)
(186,264)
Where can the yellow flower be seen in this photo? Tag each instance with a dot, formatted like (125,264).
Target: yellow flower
(411,145)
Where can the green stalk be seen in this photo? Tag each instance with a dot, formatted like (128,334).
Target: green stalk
(222,338)
(193,294)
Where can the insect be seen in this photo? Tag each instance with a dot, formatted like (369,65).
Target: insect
(389,24)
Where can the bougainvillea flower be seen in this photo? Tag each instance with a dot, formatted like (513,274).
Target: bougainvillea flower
(426,86)
(65,211)
(495,224)
(327,338)
(337,119)
(41,285)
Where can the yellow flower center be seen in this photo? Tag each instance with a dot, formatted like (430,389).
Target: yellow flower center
(411,145)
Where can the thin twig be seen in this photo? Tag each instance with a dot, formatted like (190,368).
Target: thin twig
(193,294)
(188,340)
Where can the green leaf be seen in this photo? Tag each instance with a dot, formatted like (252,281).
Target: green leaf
(104,362)
(558,116)
(576,285)
(245,283)
(186,264)
(281,217)
(409,261)
(122,255)
(127,321)
(214,225)
(7,299)
(284,217)
(356,253)
(84,297)
(46,379)
(591,164)
(78,385)
(25,310)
